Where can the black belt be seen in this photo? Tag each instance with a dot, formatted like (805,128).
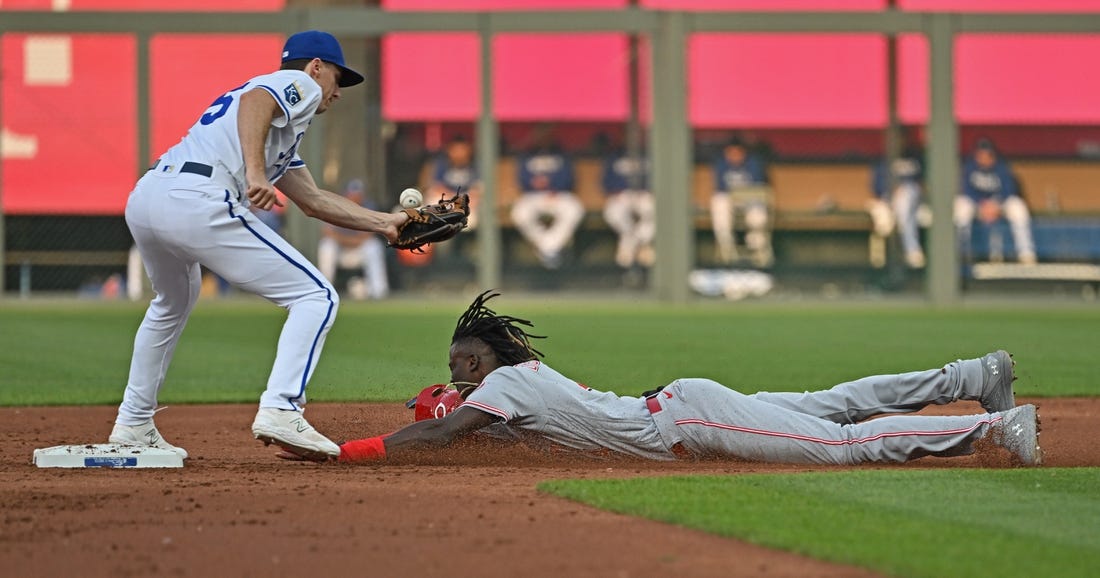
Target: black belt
(193,168)
(677,448)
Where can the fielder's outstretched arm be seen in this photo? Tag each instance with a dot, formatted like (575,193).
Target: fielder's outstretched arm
(419,436)
(298,185)
(258,110)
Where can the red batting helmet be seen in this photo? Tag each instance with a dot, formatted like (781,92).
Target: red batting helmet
(434,402)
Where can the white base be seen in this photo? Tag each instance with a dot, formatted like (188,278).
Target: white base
(106,456)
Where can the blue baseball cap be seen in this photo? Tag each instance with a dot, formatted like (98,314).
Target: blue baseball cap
(317,44)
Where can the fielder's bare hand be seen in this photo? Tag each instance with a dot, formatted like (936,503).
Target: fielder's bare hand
(989,211)
(261,193)
(393,229)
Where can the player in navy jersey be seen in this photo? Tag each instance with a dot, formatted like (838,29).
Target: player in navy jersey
(455,170)
(628,208)
(897,206)
(740,184)
(990,192)
(547,212)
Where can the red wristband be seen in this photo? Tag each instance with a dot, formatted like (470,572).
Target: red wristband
(363,450)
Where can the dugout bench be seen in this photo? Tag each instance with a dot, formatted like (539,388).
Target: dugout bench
(827,202)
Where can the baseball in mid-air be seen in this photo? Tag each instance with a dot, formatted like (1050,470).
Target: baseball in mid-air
(411,198)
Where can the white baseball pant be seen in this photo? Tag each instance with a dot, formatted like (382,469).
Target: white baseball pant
(564,210)
(723,208)
(370,255)
(1015,212)
(632,215)
(180,221)
(902,213)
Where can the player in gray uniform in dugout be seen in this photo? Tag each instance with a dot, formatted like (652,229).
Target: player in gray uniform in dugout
(502,380)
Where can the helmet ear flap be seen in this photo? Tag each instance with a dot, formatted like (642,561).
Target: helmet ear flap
(449,401)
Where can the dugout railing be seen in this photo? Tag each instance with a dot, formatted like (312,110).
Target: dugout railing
(669,135)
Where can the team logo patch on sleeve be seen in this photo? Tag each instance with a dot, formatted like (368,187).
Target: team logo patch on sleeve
(292,93)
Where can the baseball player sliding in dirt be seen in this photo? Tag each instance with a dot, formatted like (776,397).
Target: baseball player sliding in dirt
(502,380)
(191,208)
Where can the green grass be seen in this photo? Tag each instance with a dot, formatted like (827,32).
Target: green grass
(936,523)
(909,522)
(78,352)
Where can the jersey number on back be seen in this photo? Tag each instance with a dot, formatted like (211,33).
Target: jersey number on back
(218,108)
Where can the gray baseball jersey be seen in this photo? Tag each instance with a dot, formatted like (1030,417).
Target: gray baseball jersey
(707,418)
(532,396)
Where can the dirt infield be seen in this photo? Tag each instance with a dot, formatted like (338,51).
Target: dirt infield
(236,510)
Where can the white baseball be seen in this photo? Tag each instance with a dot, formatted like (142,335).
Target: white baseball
(411,198)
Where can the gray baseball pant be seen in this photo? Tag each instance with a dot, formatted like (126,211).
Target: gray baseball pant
(826,427)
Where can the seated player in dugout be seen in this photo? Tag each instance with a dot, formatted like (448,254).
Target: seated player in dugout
(500,379)
(453,172)
(741,184)
(991,191)
(547,212)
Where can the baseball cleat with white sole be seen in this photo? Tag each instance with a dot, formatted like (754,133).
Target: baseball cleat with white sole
(289,430)
(145,434)
(1018,432)
(998,375)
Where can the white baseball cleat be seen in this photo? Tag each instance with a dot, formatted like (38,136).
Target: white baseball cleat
(145,434)
(289,430)
(1018,432)
(997,371)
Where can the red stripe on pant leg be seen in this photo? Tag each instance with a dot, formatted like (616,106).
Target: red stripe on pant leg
(735,428)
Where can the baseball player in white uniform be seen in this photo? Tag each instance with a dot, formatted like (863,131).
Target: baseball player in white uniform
(502,380)
(191,208)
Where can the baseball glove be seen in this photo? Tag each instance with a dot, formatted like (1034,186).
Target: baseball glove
(433,223)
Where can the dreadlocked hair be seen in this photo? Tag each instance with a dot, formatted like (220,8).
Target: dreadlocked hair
(502,333)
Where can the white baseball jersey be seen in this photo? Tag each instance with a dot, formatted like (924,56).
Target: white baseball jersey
(214,139)
(532,396)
